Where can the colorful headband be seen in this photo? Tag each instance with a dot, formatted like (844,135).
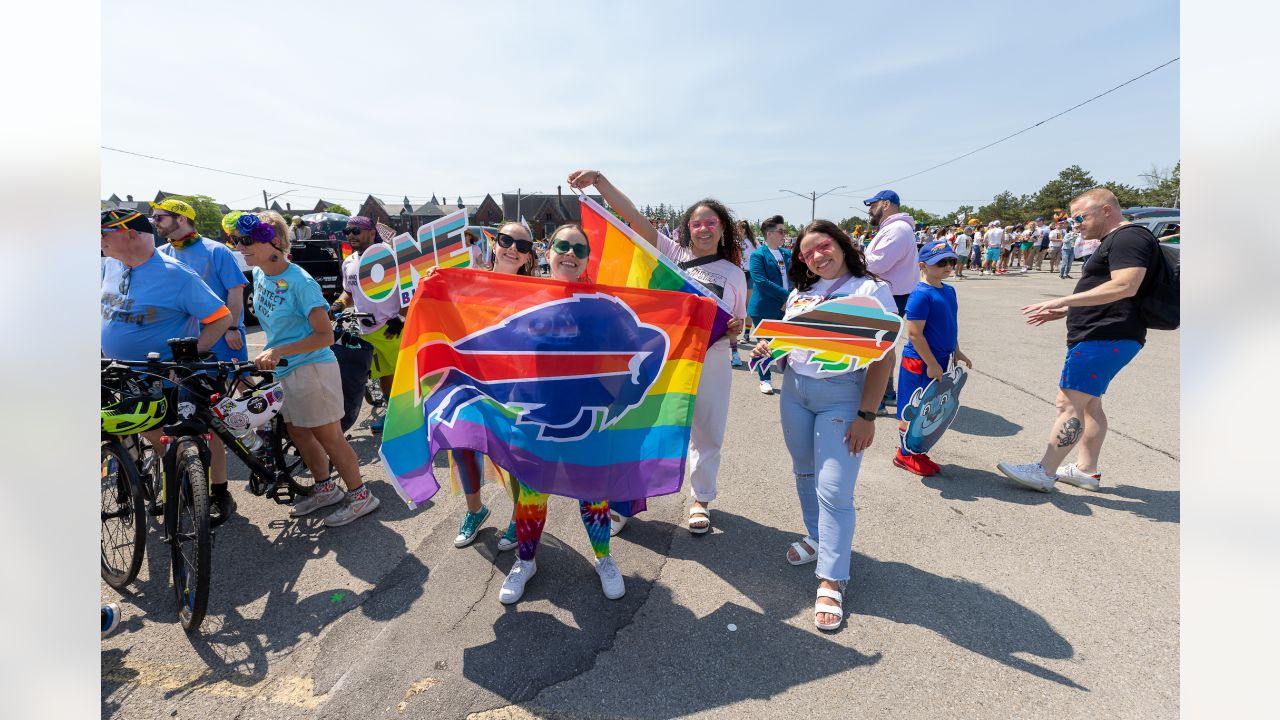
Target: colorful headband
(249,225)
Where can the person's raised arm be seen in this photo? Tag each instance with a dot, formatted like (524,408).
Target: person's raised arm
(630,213)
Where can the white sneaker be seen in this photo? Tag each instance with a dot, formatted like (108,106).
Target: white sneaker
(323,495)
(513,586)
(1030,475)
(766,387)
(1072,475)
(610,578)
(358,504)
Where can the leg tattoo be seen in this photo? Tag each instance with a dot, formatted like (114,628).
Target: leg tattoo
(1070,432)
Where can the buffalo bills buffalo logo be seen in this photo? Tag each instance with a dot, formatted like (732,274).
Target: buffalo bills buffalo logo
(570,366)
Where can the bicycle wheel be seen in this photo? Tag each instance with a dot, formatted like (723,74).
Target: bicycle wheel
(190,539)
(287,458)
(124,518)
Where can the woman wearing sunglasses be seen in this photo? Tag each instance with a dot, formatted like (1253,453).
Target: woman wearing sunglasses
(513,254)
(294,314)
(569,251)
(828,416)
(710,253)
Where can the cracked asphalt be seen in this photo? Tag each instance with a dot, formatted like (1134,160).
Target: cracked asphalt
(970,596)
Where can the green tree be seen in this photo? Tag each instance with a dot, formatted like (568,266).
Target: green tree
(1058,193)
(208,214)
(1164,187)
(1005,207)
(1127,195)
(336,208)
(919,215)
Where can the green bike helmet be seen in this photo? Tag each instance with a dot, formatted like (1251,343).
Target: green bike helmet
(134,412)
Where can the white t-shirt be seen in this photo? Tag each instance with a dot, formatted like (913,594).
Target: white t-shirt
(720,277)
(962,244)
(777,258)
(382,311)
(799,302)
(995,237)
(744,261)
(1055,238)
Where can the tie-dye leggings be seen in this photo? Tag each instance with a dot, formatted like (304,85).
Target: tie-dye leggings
(531,516)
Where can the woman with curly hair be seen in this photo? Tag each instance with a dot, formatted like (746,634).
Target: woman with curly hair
(708,250)
(828,416)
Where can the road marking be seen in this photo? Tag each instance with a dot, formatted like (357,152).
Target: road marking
(287,690)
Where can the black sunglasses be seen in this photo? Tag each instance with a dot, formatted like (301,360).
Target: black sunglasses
(564,246)
(352,231)
(522,246)
(246,241)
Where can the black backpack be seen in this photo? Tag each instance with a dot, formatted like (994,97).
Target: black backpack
(1159,302)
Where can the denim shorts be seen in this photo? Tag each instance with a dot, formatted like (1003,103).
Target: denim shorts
(1091,365)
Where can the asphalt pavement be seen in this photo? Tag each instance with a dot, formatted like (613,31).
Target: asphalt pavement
(970,596)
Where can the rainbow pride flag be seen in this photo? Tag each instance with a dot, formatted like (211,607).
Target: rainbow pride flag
(622,258)
(576,389)
(844,333)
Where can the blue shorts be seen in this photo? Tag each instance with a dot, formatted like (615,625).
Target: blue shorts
(912,374)
(1092,364)
(993,254)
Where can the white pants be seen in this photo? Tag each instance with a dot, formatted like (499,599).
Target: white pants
(710,415)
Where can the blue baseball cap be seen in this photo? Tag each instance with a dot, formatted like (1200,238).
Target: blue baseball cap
(935,252)
(889,195)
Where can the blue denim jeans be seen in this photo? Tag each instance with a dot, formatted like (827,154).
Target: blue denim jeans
(1067,255)
(816,413)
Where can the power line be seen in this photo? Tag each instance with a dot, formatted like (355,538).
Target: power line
(358,193)
(1008,137)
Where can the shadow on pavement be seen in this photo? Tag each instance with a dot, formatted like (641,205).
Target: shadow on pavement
(969,484)
(260,567)
(980,620)
(972,421)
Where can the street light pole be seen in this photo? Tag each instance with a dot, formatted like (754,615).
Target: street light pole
(812,197)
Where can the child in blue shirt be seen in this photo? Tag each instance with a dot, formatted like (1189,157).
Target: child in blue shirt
(933,329)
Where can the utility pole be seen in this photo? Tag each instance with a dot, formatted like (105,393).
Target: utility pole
(812,197)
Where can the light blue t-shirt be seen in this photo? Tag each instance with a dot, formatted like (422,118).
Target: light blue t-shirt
(215,264)
(282,303)
(143,307)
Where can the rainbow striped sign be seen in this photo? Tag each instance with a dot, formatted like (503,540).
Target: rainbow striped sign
(845,333)
(397,265)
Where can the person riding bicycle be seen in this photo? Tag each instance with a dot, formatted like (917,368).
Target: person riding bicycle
(149,297)
(382,331)
(291,309)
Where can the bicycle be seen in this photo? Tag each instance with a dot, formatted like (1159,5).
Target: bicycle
(355,356)
(127,463)
(196,389)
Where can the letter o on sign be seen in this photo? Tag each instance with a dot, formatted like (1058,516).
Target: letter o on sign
(377,272)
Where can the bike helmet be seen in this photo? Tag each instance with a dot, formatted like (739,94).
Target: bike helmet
(134,411)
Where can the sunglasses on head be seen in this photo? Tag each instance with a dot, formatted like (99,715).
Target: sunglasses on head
(522,246)
(564,246)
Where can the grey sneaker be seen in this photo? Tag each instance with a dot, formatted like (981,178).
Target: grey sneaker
(1072,475)
(360,502)
(610,578)
(1030,475)
(323,495)
(513,587)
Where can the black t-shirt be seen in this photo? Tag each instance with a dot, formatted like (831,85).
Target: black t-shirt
(1127,246)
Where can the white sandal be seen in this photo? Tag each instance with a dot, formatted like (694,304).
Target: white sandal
(806,555)
(696,513)
(837,610)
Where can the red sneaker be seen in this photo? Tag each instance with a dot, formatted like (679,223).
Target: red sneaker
(914,464)
(934,467)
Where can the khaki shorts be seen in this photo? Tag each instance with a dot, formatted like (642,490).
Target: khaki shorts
(385,352)
(312,395)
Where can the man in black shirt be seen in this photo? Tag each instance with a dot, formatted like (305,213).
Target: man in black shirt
(1104,332)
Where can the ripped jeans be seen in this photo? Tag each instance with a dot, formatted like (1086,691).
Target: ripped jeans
(815,415)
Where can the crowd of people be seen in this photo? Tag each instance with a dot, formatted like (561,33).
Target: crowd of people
(186,287)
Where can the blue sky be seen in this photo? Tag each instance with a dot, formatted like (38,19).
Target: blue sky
(674,101)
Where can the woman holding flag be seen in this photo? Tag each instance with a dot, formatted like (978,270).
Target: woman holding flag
(512,252)
(828,416)
(568,250)
(709,252)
